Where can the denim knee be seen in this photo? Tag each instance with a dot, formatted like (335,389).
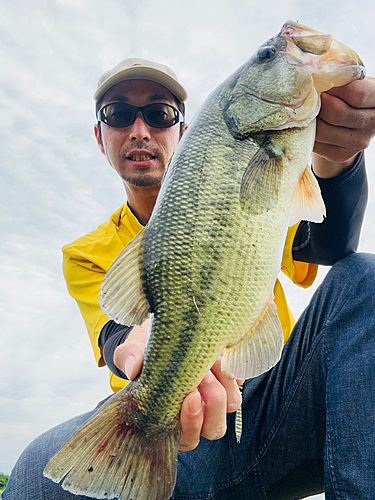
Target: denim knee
(363,263)
(26,481)
(356,269)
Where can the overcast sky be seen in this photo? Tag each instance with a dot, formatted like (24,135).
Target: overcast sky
(56,185)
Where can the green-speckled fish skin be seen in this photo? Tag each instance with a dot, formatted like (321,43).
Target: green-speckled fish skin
(207,262)
(217,269)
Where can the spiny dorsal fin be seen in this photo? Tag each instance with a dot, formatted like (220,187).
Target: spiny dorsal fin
(259,350)
(121,295)
(259,186)
(308,203)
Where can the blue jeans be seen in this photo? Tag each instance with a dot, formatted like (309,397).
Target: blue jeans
(308,424)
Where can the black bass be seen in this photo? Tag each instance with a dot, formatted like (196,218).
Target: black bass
(206,263)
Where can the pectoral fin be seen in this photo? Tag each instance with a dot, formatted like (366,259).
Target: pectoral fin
(121,295)
(308,203)
(259,185)
(259,350)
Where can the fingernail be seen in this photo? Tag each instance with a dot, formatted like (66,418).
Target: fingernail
(195,404)
(129,363)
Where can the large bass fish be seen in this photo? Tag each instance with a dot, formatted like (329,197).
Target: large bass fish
(206,263)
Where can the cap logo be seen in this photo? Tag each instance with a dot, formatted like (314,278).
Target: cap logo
(137,64)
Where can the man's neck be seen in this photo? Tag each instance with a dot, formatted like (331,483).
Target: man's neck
(141,201)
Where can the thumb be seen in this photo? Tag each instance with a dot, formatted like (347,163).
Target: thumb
(128,357)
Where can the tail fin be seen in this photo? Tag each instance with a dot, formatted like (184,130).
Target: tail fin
(108,457)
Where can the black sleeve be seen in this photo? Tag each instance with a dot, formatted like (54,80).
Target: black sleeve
(111,336)
(345,197)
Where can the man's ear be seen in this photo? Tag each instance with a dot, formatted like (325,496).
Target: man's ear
(98,137)
(183,130)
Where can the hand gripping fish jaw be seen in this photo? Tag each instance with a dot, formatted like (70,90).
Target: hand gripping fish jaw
(207,262)
(279,86)
(334,64)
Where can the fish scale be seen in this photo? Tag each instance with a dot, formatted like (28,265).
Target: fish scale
(232,312)
(206,263)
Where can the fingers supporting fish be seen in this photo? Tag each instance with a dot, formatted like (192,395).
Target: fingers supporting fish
(338,113)
(203,412)
(230,385)
(128,357)
(358,94)
(210,419)
(345,126)
(191,420)
(214,398)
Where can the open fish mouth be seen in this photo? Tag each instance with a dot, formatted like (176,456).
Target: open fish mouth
(324,54)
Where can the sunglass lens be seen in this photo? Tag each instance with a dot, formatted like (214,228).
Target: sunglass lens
(160,115)
(118,115)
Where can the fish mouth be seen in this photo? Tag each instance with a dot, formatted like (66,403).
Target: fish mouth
(333,64)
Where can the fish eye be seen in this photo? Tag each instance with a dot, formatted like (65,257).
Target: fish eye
(266,53)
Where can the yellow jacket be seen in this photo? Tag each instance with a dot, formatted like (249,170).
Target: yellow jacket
(86,260)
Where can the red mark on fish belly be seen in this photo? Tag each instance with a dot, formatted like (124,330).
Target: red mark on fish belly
(102,447)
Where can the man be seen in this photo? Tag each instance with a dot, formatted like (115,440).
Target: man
(307,423)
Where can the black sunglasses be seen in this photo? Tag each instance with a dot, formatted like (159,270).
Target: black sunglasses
(157,115)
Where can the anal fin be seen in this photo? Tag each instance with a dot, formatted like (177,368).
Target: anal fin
(259,350)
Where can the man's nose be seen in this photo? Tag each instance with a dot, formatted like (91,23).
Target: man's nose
(139,130)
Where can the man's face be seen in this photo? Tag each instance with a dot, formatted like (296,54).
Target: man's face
(139,153)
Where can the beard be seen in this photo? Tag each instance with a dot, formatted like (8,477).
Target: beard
(143,177)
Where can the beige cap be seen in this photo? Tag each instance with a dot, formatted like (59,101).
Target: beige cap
(142,69)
